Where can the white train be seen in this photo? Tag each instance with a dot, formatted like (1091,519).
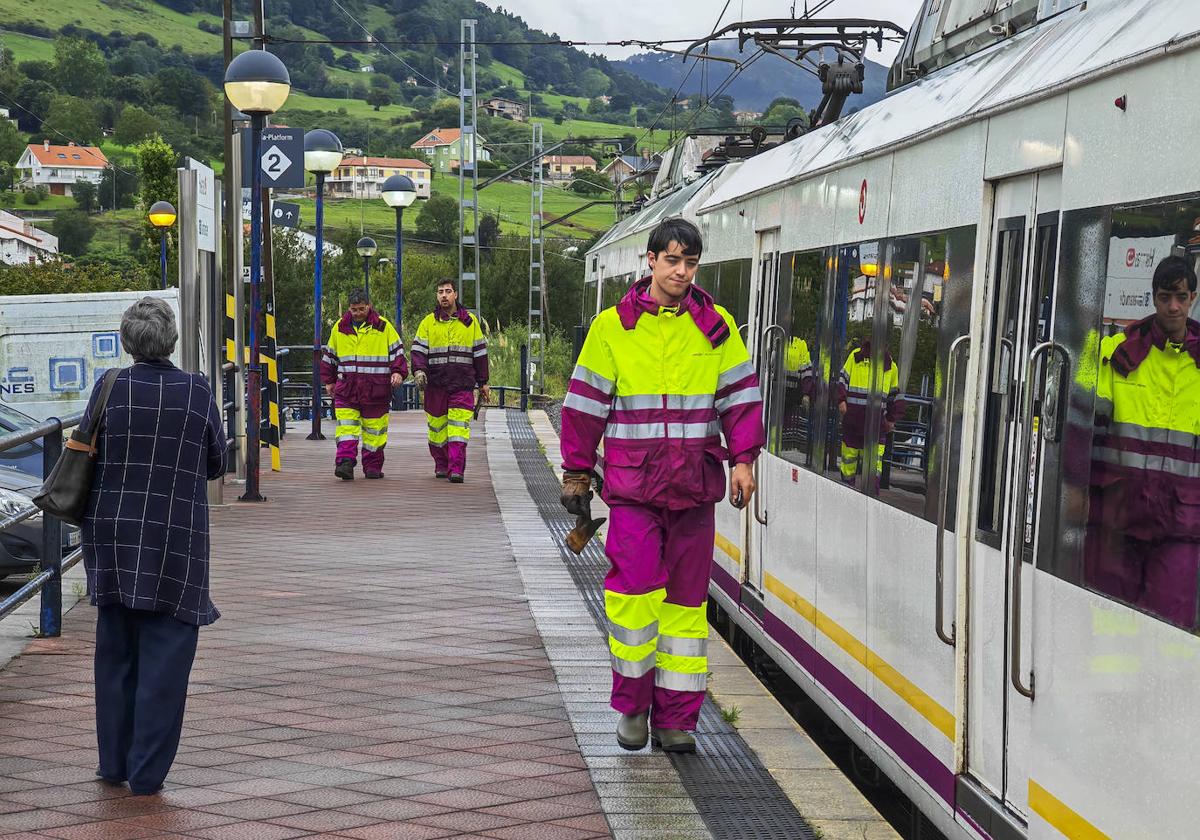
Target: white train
(987,222)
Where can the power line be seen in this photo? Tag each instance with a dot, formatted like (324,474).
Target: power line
(372,42)
(46,125)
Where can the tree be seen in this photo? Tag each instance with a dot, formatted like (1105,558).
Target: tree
(489,231)
(12,143)
(588,181)
(156,171)
(187,92)
(134,125)
(75,117)
(438,219)
(379,96)
(74,230)
(594,83)
(49,278)
(80,69)
(85,195)
(118,188)
(783,109)
(35,97)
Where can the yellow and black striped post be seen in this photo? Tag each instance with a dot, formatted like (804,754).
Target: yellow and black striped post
(270,360)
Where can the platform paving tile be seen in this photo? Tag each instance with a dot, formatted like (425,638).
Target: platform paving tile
(377,673)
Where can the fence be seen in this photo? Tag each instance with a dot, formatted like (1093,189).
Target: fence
(48,580)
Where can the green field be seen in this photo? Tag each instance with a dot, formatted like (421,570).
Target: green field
(353,107)
(508,201)
(27,47)
(129,16)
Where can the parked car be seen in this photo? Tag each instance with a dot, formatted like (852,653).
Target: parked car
(21,544)
(27,457)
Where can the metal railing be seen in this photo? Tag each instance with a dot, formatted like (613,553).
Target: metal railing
(47,581)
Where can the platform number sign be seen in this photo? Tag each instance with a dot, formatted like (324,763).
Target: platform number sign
(281,161)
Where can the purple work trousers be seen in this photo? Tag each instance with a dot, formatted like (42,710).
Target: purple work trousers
(365,423)
(449,414)
(650,550)
(1159,577)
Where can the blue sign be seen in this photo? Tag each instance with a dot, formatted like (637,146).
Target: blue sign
(282,159)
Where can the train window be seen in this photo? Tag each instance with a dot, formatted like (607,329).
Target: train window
(588,310)
(1133,493)
(803,368)
(733,289)
(853,422)
(614,289)
(928,309)
(706,277)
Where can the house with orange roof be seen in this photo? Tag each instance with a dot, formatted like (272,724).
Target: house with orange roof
(443,147)
(57,168)
(21,243)
(359,176)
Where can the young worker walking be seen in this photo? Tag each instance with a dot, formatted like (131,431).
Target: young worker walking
(660,377)
(450,360)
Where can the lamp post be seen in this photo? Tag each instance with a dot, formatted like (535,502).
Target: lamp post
(322,155)
(257,84)
(366,249)
(162,216)
(399,192)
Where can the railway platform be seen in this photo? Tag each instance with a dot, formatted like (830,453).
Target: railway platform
(409,659)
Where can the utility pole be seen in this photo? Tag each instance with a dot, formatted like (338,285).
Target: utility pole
(268,268)
(468,208)
(537,271)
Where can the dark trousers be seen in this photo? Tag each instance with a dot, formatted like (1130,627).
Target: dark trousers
(143,661)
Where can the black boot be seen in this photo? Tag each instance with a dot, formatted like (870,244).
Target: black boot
(344,470)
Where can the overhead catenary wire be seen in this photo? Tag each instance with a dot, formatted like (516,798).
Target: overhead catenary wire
(372,42)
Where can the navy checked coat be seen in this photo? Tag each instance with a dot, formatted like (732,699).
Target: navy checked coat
(145,537)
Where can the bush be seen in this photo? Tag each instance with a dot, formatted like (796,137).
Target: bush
(31,197)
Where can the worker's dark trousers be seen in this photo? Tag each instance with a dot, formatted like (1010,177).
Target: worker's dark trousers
(143,661)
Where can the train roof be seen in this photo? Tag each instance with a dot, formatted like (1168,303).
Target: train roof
(671,204)
(1030,65)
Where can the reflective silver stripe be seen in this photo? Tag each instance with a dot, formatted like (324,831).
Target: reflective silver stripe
(482,351)
(394,349)
(346,438)
(626,668)
(590,377)
(692,431)
(1134,431)
(1104,406)
(586,405)
(633,638)
(638,402)
(368,447)
(690,402)
(344,368)
(746,395)
(735,374)
(462,424)
(347,422)
(852,400)
(421,344)
(636,431)
(480,344)
(452,348)
(359,357)
(673,681)
(682,646)
(451,360)
(1140,461)
(433,427)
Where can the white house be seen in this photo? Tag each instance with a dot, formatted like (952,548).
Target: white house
(21,243)
(362,177)
(58,167)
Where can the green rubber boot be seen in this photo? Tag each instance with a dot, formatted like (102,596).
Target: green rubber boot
(633,731)
(673,740)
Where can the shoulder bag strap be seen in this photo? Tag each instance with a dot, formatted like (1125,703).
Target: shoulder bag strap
(85,439)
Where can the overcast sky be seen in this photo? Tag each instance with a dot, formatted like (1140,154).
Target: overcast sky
(649,20)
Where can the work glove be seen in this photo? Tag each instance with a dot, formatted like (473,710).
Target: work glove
(420,378)
(577,493)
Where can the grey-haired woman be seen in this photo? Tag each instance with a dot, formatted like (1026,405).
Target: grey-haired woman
(145,548)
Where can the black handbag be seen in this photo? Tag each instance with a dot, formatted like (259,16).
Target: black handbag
(66,490)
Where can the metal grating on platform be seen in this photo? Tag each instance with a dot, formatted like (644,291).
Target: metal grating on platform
(732,791)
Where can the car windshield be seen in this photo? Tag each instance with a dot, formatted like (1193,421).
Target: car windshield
(13,420)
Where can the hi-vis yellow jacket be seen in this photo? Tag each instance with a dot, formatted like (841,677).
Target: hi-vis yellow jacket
(361,361)
(660,385)
(451,350)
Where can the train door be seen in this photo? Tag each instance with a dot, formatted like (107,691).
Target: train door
(1018,309)
(765,339)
